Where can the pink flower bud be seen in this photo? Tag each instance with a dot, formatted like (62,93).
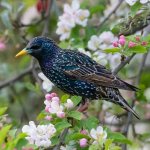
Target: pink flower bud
(48,118)
(144,43)
(48,97)
(115,44)
(61,114)
(83,132)
(55,99)
(83,142)
(2,46)
(122,41)
(47,109)
(137,38)
(131,44)
(53,94)
(122,37)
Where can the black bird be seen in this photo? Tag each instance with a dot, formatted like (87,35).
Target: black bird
(76,73)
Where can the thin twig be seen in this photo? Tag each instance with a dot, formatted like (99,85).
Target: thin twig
(110,14)
(122,64)
(61,139)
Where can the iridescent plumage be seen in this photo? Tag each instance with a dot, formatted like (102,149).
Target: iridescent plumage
(77,74)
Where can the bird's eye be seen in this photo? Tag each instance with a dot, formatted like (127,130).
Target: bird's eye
(35,47)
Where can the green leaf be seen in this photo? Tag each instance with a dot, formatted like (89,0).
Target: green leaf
(137,49)
(62,125)
(112,50)
(64,98)
(6,20)
(41,116)
(89,123)
(76,100)
(54,140)
(76,137)
(64,44)
(137,6)
(75,114)
(3,133)
(118,137)
(96,9)
(2,110)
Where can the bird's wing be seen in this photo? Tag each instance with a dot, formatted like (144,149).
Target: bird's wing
(83,68)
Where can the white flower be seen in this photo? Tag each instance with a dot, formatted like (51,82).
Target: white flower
(114,60)
(147,94)
(81,17)
(100,57)
(30,15)
(143,1)
(39,135)
(84,52)
(47,84)
(106,39)
(132,2)
(66,148)
(72,15)
(94,43)
(98,134)
(55,108)
(63,30)
(69,104)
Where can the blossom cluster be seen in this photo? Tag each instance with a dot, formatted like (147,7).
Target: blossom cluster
(72,15)
(132,2)
(54,107)
(98,134)
(122,42)
(39,135)
(98,44)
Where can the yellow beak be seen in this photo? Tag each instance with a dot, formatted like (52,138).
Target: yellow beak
(22,52)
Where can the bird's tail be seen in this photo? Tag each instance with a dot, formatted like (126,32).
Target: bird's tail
(115,97)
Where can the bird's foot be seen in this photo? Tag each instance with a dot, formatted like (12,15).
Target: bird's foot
(83,107)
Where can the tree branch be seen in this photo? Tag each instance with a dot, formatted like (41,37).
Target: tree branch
(122,64)
(130,117)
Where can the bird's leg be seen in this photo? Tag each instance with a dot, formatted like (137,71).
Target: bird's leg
(84,105)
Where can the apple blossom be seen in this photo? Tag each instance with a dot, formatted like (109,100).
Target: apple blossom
(39,135)
(47,84)
(69,104)
(94,43)
(98,134)
(132,2)
(72,15)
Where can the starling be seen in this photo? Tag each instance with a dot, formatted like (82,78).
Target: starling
(77,74)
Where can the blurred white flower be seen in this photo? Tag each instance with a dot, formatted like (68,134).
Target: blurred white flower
(102,42)
(72,15)
(63,30)
(81,17)
(106,40)
(114,60)
(84,52)
(47,84)
(98,134)
(69,104)
(55,107)
(132,2)
(30,15)
(147,94)
(66,148)
(94,43)
(39,135)
(100,57)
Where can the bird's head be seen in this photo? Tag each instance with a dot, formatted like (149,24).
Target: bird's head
(39,47)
